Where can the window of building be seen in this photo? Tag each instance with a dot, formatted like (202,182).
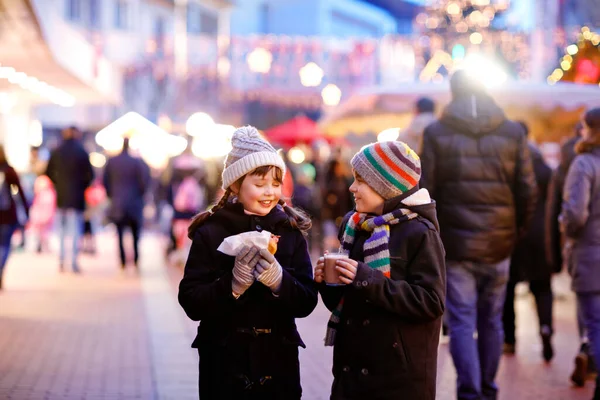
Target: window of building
(121,14)
(95,19)
(73,10)
(264,18)
(200,21)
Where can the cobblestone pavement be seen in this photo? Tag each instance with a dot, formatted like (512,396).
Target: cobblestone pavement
(105,335)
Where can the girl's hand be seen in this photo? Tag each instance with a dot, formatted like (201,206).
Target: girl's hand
(319,274)
(347,269)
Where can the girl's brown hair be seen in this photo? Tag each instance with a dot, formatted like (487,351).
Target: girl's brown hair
(298,219)
(592,120)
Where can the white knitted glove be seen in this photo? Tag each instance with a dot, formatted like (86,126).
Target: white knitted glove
(243,270)
(268,271)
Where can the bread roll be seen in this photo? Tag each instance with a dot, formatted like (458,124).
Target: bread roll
(272,247)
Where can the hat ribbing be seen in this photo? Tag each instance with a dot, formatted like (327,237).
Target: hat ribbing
(390,168)
(249,151)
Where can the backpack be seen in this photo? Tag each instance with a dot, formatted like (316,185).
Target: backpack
(5,195)
(189,196)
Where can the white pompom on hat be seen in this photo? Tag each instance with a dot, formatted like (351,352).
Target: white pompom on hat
(249,152)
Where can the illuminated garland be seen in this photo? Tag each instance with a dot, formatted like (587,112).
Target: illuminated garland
(581,62)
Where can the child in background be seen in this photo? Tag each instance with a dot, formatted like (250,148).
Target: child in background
(247,339)
(95,205)
(42,211)
(386,319)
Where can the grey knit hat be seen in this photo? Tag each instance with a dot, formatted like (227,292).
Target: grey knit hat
(390,168)
(249,152)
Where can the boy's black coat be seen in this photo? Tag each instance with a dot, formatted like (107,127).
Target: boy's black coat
(386,347)
(235,352)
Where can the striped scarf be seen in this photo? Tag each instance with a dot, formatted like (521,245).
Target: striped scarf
(376,250)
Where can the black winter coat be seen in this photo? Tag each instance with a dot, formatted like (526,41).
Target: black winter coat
(387,342)
(476,165)
(71,173)
(248,347)
(529,262)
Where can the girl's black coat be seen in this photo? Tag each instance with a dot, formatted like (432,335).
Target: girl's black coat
(386,347)
(248,347)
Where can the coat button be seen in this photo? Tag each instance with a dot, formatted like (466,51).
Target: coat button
(348,322)
(259,228)
(364,371)
(346,368)
(365,283)
(395,345)
(366,322)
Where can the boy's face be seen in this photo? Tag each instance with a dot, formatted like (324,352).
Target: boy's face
(259,194)
(367,200)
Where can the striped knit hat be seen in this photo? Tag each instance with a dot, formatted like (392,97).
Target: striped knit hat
(249,151)
(390,168)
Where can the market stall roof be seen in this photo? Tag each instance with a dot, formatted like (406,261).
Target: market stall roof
(376,108)
(299,129)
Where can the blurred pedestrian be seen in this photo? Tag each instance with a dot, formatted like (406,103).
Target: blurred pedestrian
(556,243)
(337,201)
(580,220)
(190,200)
(126,179)
(9,184)
(42,211)
(95,206)
(528,263)
(247,340)
(387,315)
(71,173)
(476,165)
(423,117)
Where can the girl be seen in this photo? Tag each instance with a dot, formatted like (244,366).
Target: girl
(386,320)
(247,340)
(580,220)
(42,210)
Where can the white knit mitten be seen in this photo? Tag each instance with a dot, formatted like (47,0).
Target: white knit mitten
(243,270)
(268,271)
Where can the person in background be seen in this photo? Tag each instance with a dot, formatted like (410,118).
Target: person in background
(423,117)
(70,171)
(476,165)
(585,366)
(9,182)
(528,263)
(42,211)
(580,221)
(126,179)
(337,201)
(95,204)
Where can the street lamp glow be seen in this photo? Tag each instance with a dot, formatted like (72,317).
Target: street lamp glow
(485,70)
(35,133)
(476,38)
(331,95)
(198,123)
(311,75)
(296,155)
(388,135)
(214,145)
(259,60)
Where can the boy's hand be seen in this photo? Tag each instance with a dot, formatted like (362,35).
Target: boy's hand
(347,269)
(319,274)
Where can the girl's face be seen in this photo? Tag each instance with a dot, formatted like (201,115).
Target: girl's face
(585,130)
(367,200)
(259,194)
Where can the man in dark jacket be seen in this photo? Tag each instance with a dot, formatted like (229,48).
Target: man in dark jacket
(126,180)
(71,173)
(476,165)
